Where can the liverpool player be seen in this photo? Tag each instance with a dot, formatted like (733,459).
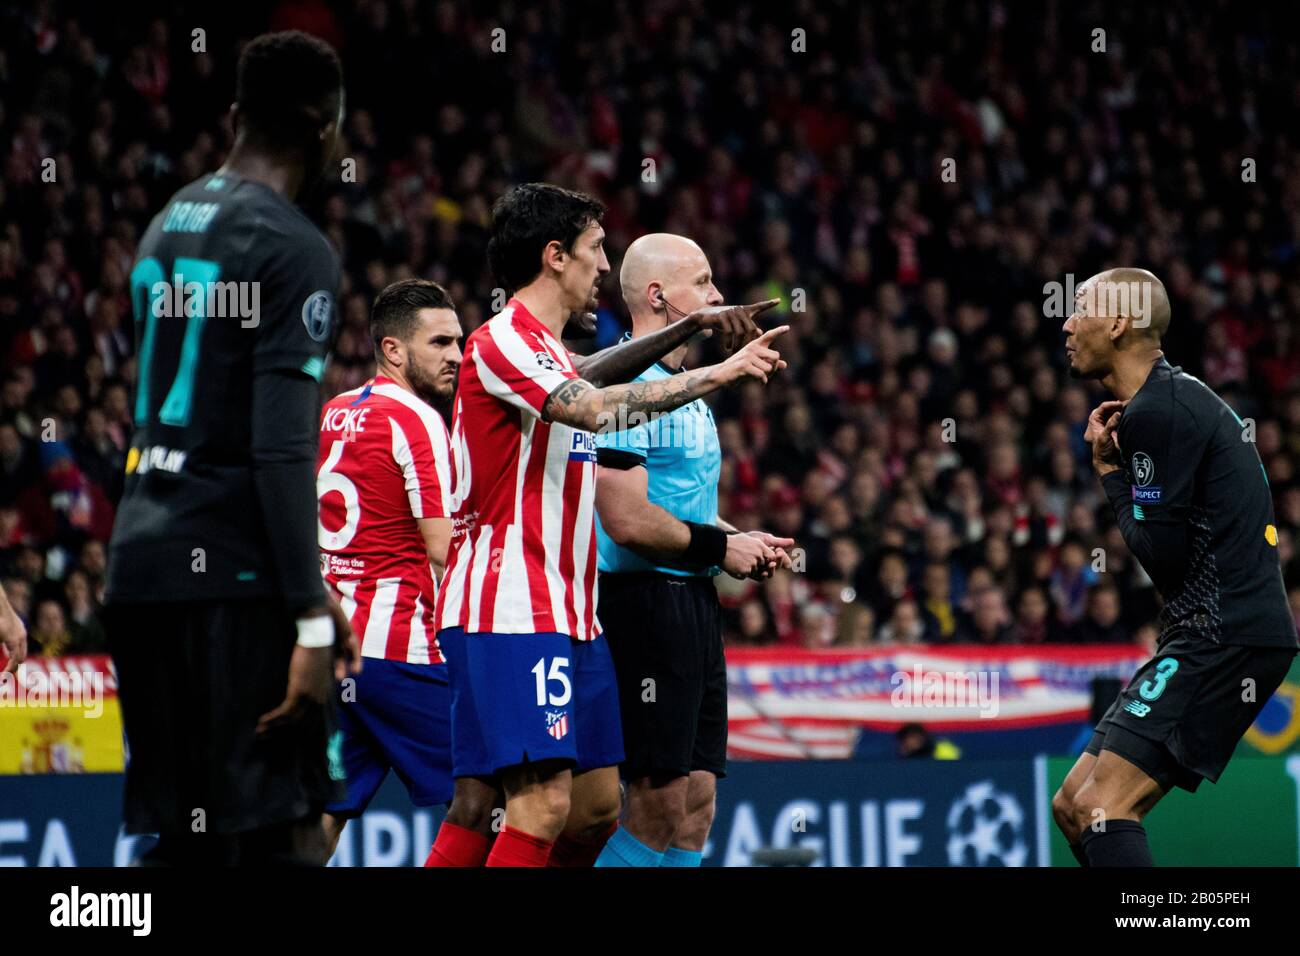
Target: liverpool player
(534,700)
(217,618)
(1191,498)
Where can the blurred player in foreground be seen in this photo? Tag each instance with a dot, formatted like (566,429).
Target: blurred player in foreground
(384,479)
(534,701)
(1192,500)
(218,622)
(660,543)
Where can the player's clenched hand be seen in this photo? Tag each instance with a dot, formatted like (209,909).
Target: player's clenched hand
(734,322)
(745,555)
(311,677)
(1100,434)
(780,555)
(756,360)
(347,649)
(313,671)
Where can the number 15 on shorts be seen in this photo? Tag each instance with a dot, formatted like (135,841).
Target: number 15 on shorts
(553,687)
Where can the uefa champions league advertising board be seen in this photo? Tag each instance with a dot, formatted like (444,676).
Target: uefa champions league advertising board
(850,814)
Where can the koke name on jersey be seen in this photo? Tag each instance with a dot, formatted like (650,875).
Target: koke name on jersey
(344,420)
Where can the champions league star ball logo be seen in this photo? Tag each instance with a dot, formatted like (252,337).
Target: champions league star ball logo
(985,828)
(316,313)
(557,723)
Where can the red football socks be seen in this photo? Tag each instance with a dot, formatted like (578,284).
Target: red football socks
(570,851)
(517,848)
(458,846)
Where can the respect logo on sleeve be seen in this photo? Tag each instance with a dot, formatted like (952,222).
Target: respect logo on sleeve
(1144,472)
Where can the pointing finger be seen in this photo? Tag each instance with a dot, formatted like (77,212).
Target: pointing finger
(754,308)
(770,334)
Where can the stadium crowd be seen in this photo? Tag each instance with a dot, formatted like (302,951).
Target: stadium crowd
(925,446)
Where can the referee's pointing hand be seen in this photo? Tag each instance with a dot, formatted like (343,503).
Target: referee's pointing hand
(735,322)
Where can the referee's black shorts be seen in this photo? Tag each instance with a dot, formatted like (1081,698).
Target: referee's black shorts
(1182,715)
(665,635)
(193,679)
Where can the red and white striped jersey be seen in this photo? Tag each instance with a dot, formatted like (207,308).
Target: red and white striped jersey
(385,460)
(523,548)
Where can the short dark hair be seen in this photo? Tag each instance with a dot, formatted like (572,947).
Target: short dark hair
(287,87)
(395,308)
(526,219)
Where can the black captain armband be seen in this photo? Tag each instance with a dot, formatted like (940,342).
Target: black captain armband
(618,459)
(708,545)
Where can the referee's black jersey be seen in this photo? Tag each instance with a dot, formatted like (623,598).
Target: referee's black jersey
(233,294)
(1194,506)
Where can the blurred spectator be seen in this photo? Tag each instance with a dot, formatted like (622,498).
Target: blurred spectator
(1101,624)
(755,624)
(940,610)
(990,621)
(914,740)
(856,626)
(83,610)
(1033,617)
(49,634)
(904,626)
(1070,582)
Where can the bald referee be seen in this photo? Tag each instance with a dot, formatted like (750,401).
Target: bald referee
(1191,498)
(660,543)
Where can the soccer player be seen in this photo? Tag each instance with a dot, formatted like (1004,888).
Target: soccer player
(13,635)
(218,620)
(534,702)
(384,481)
(1191,498)
(462,839)
(659,544)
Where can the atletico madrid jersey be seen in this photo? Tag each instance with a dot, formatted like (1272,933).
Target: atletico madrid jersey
(384,462)
(523,552)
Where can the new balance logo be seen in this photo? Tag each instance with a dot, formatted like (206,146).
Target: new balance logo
(557,723)
(1137,708)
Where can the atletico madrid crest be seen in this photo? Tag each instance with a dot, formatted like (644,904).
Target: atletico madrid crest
(557,723)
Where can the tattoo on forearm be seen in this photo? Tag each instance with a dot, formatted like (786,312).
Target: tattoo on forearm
(564,397)
(577,399)
(661,396)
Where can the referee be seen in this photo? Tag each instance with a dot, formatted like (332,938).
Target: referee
(1191,497)
(660,543)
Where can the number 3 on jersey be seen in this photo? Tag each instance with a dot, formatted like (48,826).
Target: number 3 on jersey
(1152,689)
(556,674)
